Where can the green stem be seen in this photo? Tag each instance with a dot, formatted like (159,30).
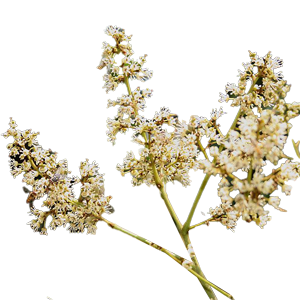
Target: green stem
(202,223)
(120,56)
(165,197)
(33,164)
(274,172)
(207,288)
(294,145)
(250,172)
(219,131)
(212,285)
(192,211)
(127,85)
(172,164)
(174,256)
(288,157)
(121,229)
(232,176)
(202,148)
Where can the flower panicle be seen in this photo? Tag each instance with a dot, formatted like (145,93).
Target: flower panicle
(48,177)
(129,67)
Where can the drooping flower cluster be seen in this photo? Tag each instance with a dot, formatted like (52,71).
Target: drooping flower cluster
(49,178)
(130,68)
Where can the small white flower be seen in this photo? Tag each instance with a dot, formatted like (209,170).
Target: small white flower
(214,151)
(274,201)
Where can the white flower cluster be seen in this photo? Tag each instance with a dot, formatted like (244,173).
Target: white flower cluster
(130,68)
(248,203)
(201,126)
(269,87)
(129,105)
(170,154)
(226,215)
(92,190)
(48,177)
(172,157)
(255,140)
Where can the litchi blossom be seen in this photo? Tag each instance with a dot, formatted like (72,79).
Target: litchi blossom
(130,68)
(255,140)
(49,178)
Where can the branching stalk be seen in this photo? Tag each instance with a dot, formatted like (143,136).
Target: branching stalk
(161,186)
(219,131)
(187,224)
(250,172)
(212,285)
(201,223)
(33,164)
(274,172)
(164,196)
(172,163)
(202,148)
(174,256)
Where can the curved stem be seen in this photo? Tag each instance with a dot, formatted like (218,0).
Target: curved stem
(219,131)
(202,148)
(273,173)
(33,164)
(172,163)
(289,157)
(294,145)
(232,176)
(201,223)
